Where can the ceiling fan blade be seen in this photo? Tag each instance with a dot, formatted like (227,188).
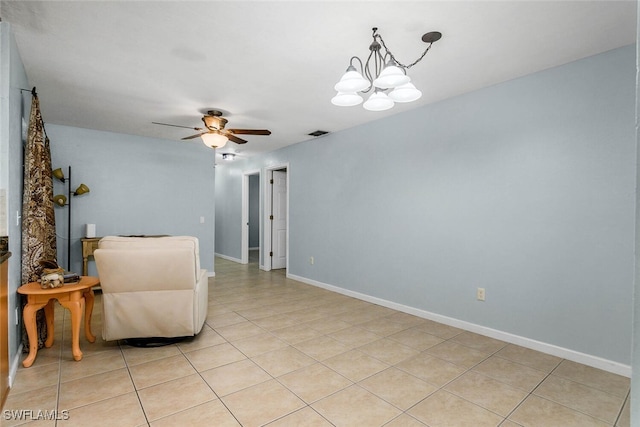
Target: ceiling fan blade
(177,126)
(234,138)
(250,131)
(193,136)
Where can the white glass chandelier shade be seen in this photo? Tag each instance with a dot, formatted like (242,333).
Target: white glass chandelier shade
(214,140)
(348,99)
(391,76)
(378,101)
(352,81)
(405,93)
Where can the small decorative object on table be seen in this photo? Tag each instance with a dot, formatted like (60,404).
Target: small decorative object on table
(52,275)
(70,277)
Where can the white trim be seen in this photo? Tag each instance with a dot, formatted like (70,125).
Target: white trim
(211,274)
(244,219)
(266,221)
(565,353)
(14,366)
(239,261)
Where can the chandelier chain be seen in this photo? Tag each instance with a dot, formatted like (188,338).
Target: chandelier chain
(393,58)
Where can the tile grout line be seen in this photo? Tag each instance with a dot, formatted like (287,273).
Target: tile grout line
(489,355)
(126,364)
(64,315)
(531,393)
(442,388)
(205,381)
(624,402)
(584,385)
(307,405)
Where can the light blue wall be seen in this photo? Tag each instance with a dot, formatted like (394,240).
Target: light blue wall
(138,186)
(526,189)
(12,108)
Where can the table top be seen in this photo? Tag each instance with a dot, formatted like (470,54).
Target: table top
(34,288)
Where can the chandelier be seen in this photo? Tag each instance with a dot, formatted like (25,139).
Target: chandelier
(381,72)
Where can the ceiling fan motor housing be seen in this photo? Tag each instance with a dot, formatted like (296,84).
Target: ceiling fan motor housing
(214,122)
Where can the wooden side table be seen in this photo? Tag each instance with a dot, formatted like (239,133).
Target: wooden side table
(89,244)
(72,296)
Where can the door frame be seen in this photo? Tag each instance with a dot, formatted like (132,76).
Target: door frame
(265,245)
(244,225)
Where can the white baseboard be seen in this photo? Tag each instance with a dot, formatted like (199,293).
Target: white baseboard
(565,353)
(211,274)
(14,366)
(238,260)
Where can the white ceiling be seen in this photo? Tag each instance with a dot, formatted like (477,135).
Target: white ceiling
(121,65)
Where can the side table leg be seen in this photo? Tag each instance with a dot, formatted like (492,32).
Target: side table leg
(29,317)
(75,307)
(88,311)
(49,317)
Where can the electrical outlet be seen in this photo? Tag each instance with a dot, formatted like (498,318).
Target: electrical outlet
(311,260)
(480,294)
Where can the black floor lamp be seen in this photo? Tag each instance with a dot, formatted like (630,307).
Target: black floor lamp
(62,201)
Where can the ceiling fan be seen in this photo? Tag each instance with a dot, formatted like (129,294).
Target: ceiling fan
(214,134)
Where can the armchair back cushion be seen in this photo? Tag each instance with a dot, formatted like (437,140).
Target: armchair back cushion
(151,286)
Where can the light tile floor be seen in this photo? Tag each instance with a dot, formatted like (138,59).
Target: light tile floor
(278,352)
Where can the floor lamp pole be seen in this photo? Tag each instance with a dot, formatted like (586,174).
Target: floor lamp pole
(69,225)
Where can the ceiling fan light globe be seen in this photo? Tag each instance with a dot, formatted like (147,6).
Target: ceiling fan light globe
(391,77)
(214,140)
(378,101)
(405,93)
(348,99)
(352,81)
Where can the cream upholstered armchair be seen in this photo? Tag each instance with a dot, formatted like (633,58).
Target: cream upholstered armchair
(151,287)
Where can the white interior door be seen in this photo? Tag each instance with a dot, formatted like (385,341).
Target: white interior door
(279,222)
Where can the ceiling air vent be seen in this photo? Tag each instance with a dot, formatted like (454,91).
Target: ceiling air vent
(318,133)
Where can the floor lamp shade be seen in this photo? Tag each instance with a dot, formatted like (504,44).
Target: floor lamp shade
(62,201)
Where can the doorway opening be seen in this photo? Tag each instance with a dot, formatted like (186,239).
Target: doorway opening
(250,245)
